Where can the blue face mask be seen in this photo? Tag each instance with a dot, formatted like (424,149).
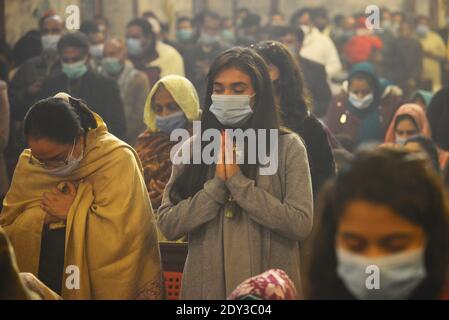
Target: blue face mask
(184,34)
(206,38)
(134,47)
(228,35)
(112,66)
(74,70)
(231,110)
(174,121)
(400,274)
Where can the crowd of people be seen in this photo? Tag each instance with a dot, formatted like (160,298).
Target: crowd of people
(362,122)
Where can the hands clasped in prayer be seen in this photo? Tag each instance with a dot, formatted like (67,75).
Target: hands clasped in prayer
(226,168)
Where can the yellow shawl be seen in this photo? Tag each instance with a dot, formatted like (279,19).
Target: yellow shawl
(110,230)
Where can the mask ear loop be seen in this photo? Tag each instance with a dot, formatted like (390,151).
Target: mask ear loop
(71,152)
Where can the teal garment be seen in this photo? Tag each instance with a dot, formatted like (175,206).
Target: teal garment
(370,128)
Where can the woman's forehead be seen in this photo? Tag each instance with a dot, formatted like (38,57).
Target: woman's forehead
(232,76)
(46,149)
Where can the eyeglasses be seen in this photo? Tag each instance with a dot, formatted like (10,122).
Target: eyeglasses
(52,163)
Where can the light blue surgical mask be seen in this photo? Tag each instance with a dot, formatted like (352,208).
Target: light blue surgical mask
(231,110)
(112,66)
(50,43)
(422,30)
(169,123)
(96,51)
(134,47)
(361,103)
(184,34)
(399,274)
(228,35)
(387,24)
(206,38)
(75,70)
(401,141)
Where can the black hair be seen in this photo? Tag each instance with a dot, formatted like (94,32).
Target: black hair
(74,40)
(27,47)
(144,25)
(430,148)
(299,13)
(382,176)
(265,116)
(251,20)
(403,117)
(277,32)
(5,51)
(319,12)
(339,19)
(182,19)
(295,100)
(88,27)
(58,120)
(208,14)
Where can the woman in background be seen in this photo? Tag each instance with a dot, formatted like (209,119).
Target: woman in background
(293,99)
(172,104)
(409,121)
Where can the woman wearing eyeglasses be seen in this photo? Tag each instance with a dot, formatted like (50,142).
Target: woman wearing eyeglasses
(78,213)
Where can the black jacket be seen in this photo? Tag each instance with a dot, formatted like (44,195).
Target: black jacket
(319,152)
(438,115)
(316,80)
(100,93)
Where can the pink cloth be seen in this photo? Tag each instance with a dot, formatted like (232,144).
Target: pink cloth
(417,113)
(273,284)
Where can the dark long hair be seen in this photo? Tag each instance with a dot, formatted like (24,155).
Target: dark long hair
(58,120)
(265,115)
(295,101)
(382,176)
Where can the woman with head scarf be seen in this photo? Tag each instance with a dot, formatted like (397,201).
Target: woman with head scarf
(361,114)
(77,212)
(409,120)
(172,104)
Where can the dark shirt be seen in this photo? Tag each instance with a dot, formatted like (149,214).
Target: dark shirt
(100,93)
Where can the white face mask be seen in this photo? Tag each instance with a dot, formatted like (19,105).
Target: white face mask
(50,43)
(71,165)
(361,103)
(400,274)
(401,141)
(231,110)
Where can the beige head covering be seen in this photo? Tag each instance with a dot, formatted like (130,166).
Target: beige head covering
(184,94)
